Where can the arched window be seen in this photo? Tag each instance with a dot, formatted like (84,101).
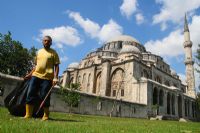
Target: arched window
(120,45)
(158,79)
(96,90)
(117,83)
(83,80)
(145,73)
(79,79)
(167,83)
(83,83)
(88,82)
(71,80)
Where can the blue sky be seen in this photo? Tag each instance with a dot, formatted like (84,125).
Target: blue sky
(80,26)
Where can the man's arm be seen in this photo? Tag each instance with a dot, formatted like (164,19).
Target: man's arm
(28,76)
(55,79)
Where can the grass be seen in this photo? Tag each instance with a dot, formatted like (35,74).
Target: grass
(74,123)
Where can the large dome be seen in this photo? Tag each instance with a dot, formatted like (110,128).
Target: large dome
(123,38)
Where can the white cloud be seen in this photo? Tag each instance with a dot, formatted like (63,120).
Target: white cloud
(88,26)
(173,11)
(195,32)
(139,18)
(63,59)
(109,30)
(128,7)
(64,35)
(93,29)
(172,45)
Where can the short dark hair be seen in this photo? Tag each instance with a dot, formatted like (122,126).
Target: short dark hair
(50,39)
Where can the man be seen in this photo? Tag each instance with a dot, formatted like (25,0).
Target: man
(43,76)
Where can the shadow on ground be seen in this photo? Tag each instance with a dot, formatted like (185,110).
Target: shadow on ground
(64,120)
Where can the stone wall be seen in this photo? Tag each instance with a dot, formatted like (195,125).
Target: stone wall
(7,84)
(89,104)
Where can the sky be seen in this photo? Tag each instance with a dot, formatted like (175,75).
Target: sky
(81,26)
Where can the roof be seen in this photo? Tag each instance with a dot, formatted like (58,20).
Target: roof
(123,38)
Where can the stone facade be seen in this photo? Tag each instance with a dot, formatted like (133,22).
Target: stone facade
(123,69)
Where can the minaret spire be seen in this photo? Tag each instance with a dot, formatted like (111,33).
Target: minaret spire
(186,24)
(189,61)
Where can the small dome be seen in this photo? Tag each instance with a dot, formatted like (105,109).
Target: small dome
(123,38)
(173,72)
(128,48)
(73,65)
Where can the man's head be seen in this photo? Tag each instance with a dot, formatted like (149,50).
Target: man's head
(47,41)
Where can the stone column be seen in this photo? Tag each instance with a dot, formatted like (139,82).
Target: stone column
(165,102)
(105,77)
(93,79)
(76,76)
(183,106)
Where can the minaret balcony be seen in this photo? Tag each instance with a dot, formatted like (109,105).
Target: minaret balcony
(187,44)
(188,61)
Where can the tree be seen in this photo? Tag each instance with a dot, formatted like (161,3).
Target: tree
(14,59)
(198,63)
(70,95)
(198,58)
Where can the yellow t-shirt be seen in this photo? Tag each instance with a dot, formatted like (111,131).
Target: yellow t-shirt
(45,62)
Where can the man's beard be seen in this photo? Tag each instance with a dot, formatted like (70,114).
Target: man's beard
(46,46)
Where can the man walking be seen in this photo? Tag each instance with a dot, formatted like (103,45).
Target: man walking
(43,76)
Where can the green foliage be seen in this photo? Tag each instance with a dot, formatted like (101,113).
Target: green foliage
(14,59)
(198,100)
(96,100)
(156,106)
(70,94)
(198,58)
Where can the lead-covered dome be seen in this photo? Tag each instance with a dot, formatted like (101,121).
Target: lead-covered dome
(123,38)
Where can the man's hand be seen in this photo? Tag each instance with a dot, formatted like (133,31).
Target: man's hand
(55,81)
(28,76)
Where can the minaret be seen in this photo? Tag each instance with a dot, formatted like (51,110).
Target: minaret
(189,61)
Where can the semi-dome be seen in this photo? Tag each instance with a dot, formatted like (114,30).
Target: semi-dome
(123,38)
(129,48)
(73,65)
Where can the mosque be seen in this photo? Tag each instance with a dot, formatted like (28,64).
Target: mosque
(124,70)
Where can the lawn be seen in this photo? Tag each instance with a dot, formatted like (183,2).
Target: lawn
(74,123)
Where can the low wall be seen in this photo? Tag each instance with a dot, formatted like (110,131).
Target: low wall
(7,84)
(89,104)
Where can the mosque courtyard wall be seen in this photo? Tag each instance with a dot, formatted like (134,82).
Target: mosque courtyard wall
(168,102)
